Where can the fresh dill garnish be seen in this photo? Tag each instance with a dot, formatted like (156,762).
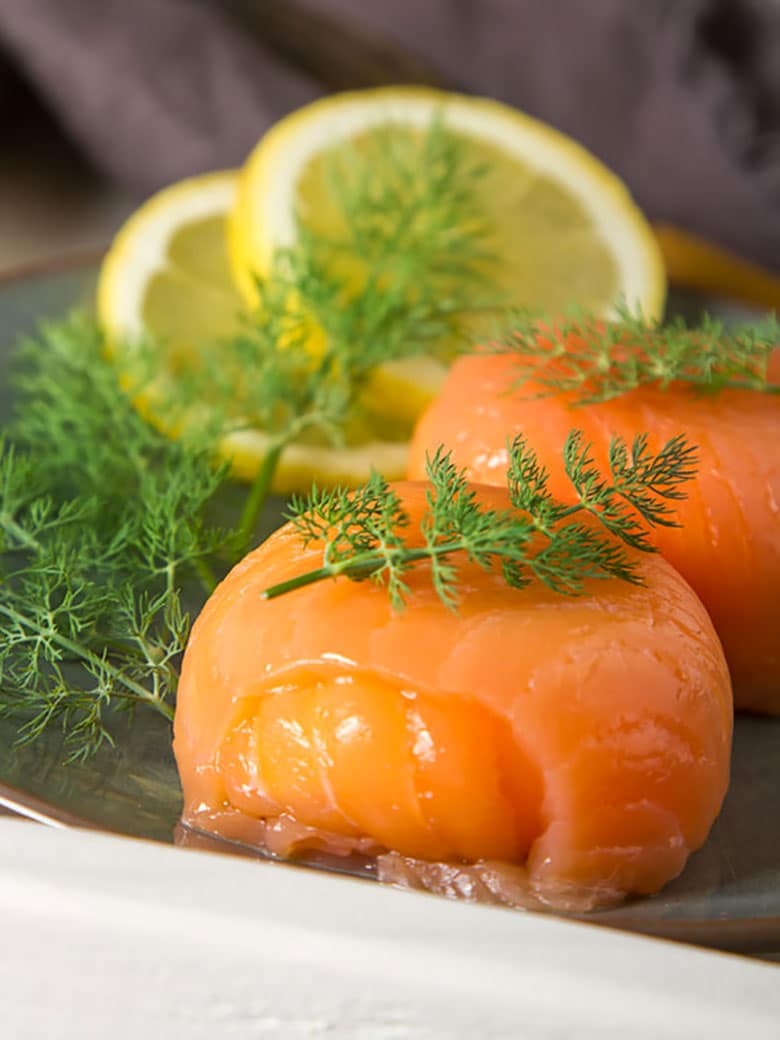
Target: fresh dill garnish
(104,521)
(82,630)
(402,275)
(595,361)
(366,522)
(404,269)
(365,534)
(419,221)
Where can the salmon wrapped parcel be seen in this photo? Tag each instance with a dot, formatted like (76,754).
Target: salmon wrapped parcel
(727,544)
(581,744)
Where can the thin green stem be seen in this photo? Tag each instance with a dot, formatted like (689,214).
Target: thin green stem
(566,513)
(8,524)
(116,648)
(170,577)
(132,689)
(363,565)
(299,582)
(208,578)
(256,498)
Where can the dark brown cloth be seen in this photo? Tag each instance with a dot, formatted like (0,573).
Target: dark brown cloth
(680,97)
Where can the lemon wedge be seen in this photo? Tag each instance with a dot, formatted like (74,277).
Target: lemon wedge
(564,229)
(166,277)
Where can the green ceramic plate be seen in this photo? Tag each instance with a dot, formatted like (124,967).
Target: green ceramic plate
(727,897)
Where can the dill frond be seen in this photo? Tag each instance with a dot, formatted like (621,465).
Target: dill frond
(596,361)
(104,520)
(399,277)
(537,538)
(102,523)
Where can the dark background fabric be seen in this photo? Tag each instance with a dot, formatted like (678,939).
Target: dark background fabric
(680,97)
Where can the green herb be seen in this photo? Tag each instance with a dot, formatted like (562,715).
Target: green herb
(105,526)
(365,534)
(101,524)
(403,276)
(595,360)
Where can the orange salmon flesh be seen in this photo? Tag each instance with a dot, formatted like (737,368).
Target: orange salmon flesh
(728,544)
(588,739)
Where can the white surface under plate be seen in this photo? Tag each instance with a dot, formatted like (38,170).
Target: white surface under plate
(114,937)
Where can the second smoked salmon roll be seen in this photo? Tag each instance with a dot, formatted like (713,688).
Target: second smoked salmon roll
(727,545)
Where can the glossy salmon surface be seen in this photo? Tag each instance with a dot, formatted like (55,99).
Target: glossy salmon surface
(728,544)
(587,740)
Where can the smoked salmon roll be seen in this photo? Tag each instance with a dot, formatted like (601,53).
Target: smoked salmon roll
(727,544)
(550,750)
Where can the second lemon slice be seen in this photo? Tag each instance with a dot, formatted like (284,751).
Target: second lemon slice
(167,274)
(563,230)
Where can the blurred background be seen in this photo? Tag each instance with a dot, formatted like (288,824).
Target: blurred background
(103,101)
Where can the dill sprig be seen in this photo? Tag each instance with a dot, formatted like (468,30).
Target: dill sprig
(401,273)
(596,360)
(82,633)
(408,205)
(102,524)
(104,528)
(364,534)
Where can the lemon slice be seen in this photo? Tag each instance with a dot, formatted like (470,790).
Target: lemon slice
(167,271)
(564,228)
(167,276)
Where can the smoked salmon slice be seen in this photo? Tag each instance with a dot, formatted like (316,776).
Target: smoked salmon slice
(728,543)
(584,742)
